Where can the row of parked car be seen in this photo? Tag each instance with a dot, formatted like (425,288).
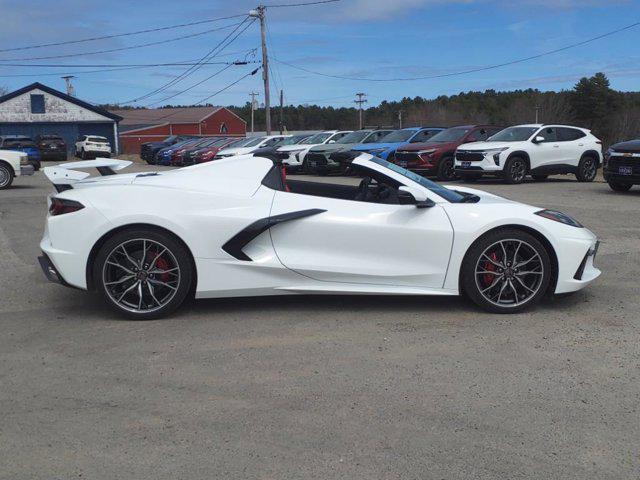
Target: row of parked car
(467,152)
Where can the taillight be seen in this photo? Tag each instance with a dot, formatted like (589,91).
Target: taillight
(283,171)
(60,206)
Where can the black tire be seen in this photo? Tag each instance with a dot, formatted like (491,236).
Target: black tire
(6,176)
(446,171)
(515,170)
(538,281)
(587,169)
(83,154)
(539,178)
(620,187)
(176,253)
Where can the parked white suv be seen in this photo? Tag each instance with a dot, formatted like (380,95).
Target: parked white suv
(89,146)
(536,150)
(13,164)
(296,153)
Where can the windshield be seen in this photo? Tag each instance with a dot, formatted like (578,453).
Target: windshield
(398,136)
(449,135)
(293,140)
(513,134)
(315,139)
(19,142)
(252,142)
(445,193)
(354,137)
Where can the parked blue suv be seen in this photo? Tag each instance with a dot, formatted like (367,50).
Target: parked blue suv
(24,144)
(388,145)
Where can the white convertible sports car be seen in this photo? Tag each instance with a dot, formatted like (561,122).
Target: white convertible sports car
(239,227)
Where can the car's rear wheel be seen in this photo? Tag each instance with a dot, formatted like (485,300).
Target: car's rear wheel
(620,187)
(515,170)
(6,176)
(587,169)
(506,271)
(83,154)
(143,274)
(446,170)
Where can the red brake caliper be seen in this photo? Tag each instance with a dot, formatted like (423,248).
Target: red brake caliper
(488,278)
(161,264)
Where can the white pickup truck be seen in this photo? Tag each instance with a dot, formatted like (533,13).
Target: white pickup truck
(13,164)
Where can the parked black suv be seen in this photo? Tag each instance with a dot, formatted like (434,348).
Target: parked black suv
(149,150)
(52,147)
(621,167)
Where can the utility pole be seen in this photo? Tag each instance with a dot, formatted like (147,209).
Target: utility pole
(253,106)
(400,119)
(537,108)
(360,101)
(259,13)
(70,90)
(281,111)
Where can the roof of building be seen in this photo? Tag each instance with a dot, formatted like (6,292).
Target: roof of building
(159,116)
(64,96)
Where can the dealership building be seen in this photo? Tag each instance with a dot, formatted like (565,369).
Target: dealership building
(37,109)
(149,125)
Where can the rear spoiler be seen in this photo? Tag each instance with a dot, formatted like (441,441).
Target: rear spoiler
(65,174)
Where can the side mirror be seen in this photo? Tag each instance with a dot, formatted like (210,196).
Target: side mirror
(414,196)
(538,139)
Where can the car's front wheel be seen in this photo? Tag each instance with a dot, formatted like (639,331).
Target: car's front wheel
(620,187)
(506,271)
(515,170)
(143,274)
(446,169)
(6,176)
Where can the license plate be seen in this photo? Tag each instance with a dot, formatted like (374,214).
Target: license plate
(465,164)
(54,147)
(313,163)
(625,170)
(403,164)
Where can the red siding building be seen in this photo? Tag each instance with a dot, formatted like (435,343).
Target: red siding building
(151,125)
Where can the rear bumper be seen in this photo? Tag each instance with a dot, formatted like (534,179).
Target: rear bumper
(614,176)
(51,272)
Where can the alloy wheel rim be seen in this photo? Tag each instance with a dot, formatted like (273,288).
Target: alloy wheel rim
(509,273)
(141,275)
(4,177)
(517,170)
(589,169)
(448,170)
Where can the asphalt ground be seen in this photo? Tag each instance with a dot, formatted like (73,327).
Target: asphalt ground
(324,387)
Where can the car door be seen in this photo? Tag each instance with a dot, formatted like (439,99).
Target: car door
(358,242)
(548,153)
(572,144)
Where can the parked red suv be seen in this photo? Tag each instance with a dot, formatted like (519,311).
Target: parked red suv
(436,156)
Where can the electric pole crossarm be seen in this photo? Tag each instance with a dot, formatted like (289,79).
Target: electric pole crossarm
(259,13)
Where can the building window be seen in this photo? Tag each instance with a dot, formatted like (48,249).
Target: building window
(37,103)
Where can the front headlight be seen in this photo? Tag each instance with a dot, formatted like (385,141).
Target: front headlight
(426,152)
(559,217)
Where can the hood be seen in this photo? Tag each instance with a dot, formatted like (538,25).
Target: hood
(414,147)
(485,197)
(485,145)
(367,147)
(632,146)
(295,148)
(237,151)
(333,147)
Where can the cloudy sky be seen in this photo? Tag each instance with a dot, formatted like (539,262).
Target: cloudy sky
(361,39)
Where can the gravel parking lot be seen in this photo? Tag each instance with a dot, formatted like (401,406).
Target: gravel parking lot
(324,387)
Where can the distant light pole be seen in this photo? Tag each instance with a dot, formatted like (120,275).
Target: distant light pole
(360,101)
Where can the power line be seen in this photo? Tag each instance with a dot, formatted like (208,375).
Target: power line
(104,37)
(191,87)
(319,2)
(463,72)
(108,65)
(210,54)
(120,49)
